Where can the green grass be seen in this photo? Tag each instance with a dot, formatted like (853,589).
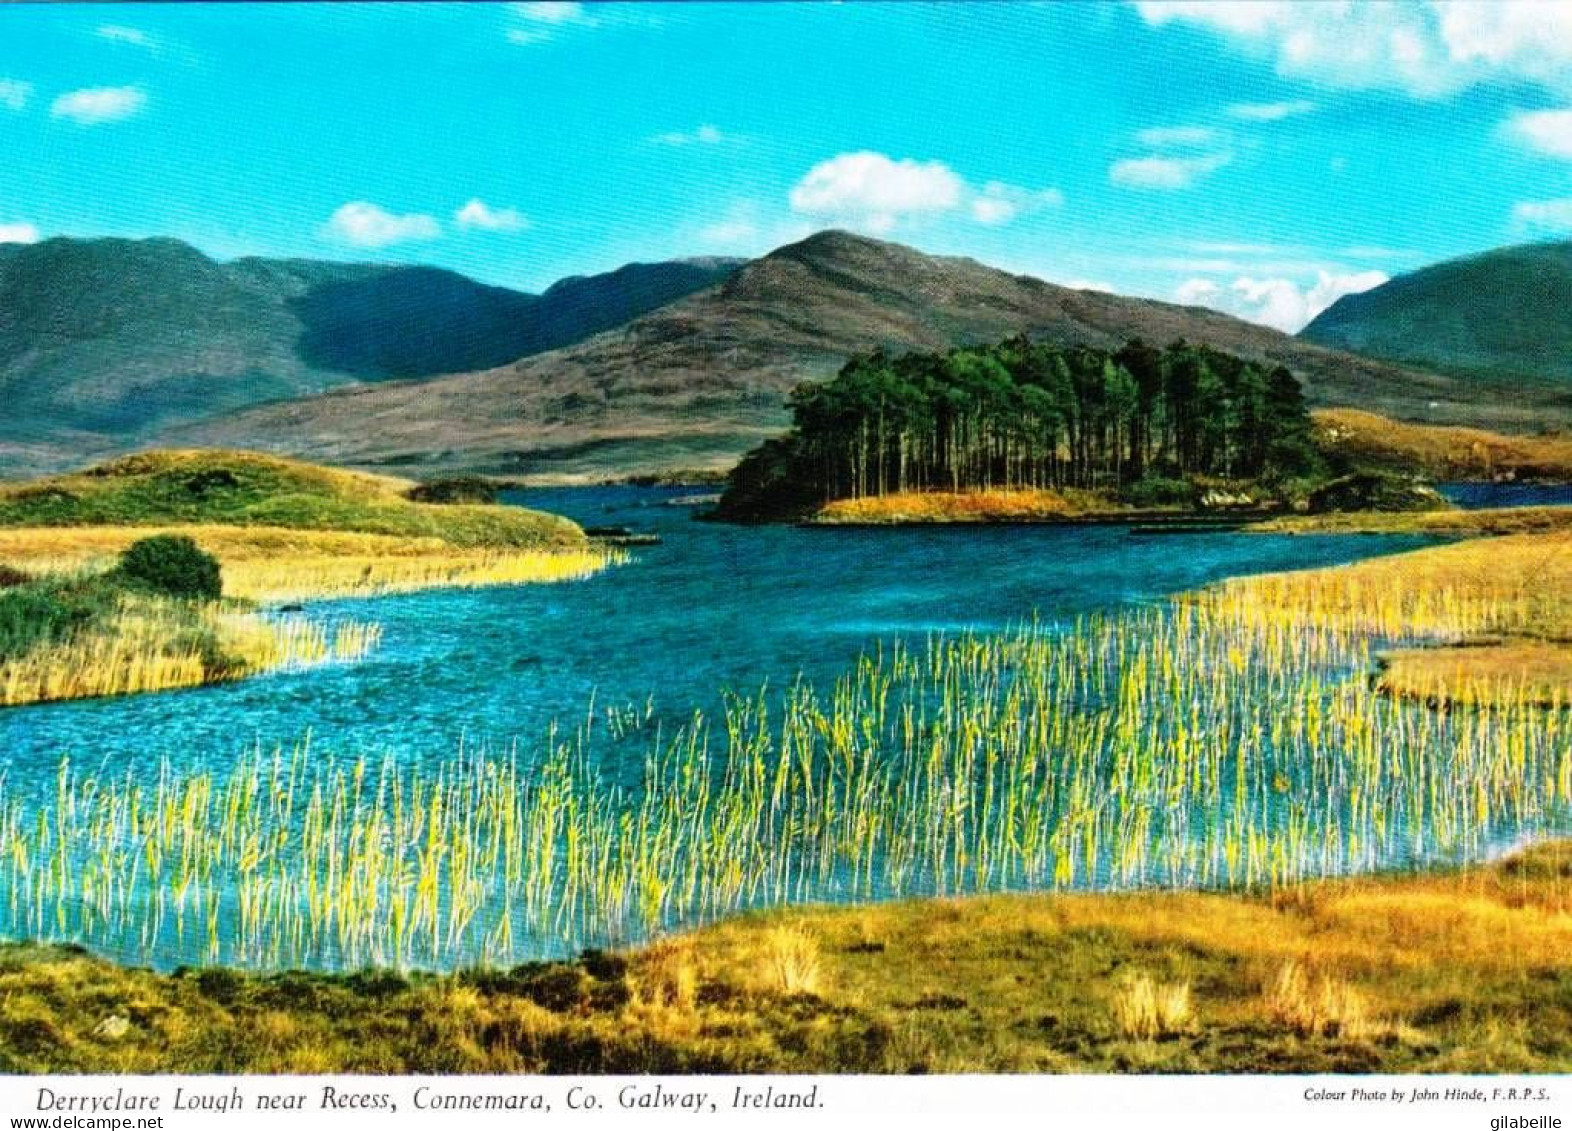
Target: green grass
(1458,971)
(248,489)
(52,610)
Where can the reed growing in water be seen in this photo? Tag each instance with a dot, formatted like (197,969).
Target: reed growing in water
(1231,739)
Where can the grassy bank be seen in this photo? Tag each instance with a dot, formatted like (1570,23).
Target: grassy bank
(1364,439)
(1483,523)
(1452,972)
(77,635)
(246,489)
(1016,505)
(282,531)
(273,564)
(1498,612)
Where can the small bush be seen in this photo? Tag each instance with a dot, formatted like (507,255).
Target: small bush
(458,489)
(1157,491)
(174,565)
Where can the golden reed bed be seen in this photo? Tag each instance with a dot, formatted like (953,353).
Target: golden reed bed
(1497,611)
(277,564)
(149,645)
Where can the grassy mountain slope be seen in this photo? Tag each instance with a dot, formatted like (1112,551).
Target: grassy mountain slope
(699,381)
(102,341)
(1499,315)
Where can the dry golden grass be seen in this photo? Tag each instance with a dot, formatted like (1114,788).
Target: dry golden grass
(1447,523)
(1482,673)
(1499,609)
(278,564)
(950,506)
(1445,452)
(1517,585)
(149,645)
(1315,1005)
(1146,1009)
(1456,971)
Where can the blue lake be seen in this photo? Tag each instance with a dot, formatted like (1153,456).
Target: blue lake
(1477,496)
(713,607)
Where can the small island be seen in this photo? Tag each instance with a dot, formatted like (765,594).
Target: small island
(1024,430)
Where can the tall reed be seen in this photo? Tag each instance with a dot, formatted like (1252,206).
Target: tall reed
(1218,742)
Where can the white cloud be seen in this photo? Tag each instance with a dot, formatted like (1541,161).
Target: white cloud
(1270,111)
(875,193)
(744,231)
(1177,137)
(1528,38)
(1165,172)
(1549,131)
(478,214)
(553,12)
(99,104)
(704,135)
(1197,292)
(1424,49)
(541,21)
(119,33)
(18,232)
(14,93)
(364,224)
(999,203)
(1545,215)
(1277,302)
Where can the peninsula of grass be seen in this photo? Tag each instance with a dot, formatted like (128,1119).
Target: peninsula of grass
(246,489)
(289,531)
(280,531)
(1447,454)
(1024,504)
(1459,971)
(1495,613)
(157,620)
(1454,523)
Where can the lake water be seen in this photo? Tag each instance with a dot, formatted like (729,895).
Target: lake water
(1142,750)
(1478,496)
(713,607)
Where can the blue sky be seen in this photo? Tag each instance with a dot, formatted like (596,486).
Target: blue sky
(1262,158)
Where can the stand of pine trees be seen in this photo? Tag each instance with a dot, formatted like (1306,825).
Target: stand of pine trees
(1025,414)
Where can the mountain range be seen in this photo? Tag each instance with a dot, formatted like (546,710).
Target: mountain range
(114,344)
(1503,316)
(108,341)
(698,381)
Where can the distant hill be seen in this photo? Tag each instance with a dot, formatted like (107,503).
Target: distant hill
(104,341)
(699,381)
(1503,315)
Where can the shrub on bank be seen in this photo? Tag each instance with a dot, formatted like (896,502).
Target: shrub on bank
(173,565)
